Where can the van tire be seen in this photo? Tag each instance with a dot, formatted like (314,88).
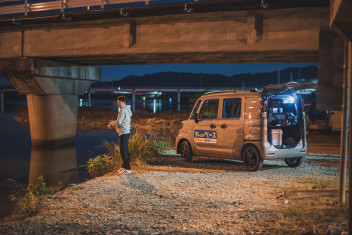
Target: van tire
(251,158)
(186,151)
(294,162)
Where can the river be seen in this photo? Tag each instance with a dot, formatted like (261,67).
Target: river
(21,164)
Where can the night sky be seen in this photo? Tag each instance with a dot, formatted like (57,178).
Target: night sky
(117,72)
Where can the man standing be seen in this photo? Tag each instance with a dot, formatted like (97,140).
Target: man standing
(123,126)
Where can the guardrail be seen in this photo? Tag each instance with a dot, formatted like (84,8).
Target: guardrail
(165,89)
(9,8)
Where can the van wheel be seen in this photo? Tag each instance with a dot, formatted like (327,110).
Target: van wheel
(251,158)
(294,162)
(186,151)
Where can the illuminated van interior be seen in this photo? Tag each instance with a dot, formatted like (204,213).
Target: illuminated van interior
(285,120)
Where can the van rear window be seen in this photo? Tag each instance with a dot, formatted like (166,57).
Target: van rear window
(231,108)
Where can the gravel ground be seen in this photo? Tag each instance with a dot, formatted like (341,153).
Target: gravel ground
(168,196)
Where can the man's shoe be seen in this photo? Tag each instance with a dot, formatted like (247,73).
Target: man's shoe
(120,170)
(125,172)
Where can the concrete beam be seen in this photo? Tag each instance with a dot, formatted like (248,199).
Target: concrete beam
(270,35)
(52,91)
(44,77)
(341,18)
(255,28)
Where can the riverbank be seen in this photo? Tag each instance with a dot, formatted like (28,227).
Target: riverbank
(207,196)
(89,118)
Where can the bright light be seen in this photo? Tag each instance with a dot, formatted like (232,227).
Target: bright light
(289,100)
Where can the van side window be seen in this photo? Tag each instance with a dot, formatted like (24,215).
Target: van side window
(194,112)
(209,109)
(231,108)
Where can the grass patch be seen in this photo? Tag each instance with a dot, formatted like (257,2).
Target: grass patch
(302,215)
(314,183)
(140,149)
(29,200)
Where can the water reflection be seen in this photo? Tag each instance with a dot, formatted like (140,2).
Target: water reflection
(58,165)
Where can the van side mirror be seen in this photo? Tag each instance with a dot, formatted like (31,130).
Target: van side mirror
(196,117)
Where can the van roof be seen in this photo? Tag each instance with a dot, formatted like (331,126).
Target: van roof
(226,92)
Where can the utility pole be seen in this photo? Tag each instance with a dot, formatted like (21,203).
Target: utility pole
(299,74)
(350,135)
(344,127)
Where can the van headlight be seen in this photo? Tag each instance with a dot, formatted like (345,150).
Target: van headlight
(181,125)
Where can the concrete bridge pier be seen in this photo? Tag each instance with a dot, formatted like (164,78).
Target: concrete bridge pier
(52,91)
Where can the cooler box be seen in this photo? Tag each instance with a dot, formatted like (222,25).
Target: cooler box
(276,136)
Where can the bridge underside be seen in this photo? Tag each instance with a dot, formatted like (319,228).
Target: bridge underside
(279,35)
(197,57)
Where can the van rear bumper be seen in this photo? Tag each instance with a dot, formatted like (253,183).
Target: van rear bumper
(271,152)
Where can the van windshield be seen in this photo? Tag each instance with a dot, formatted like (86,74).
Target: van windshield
(194,112)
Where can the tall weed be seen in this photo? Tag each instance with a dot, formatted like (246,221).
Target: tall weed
(29,200)
(140,148)
(102,164)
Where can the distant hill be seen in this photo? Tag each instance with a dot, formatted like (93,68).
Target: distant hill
(180,79)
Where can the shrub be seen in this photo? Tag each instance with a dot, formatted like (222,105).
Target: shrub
(163,144)
(140,148)
(102,164)
(29,200)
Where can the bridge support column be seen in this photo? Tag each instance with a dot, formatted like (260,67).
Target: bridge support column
(178,100)
(133,100)
(2,102)
(52,91)
(330,70)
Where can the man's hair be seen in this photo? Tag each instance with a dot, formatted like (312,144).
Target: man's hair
(122,98)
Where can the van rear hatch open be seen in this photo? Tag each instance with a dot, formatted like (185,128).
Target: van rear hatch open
(285,117)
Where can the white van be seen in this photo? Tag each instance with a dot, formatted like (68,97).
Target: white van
(248,126)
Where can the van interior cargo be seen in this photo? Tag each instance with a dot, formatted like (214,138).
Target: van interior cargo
(284,118)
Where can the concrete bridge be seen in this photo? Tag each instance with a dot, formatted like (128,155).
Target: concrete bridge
(50,58)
